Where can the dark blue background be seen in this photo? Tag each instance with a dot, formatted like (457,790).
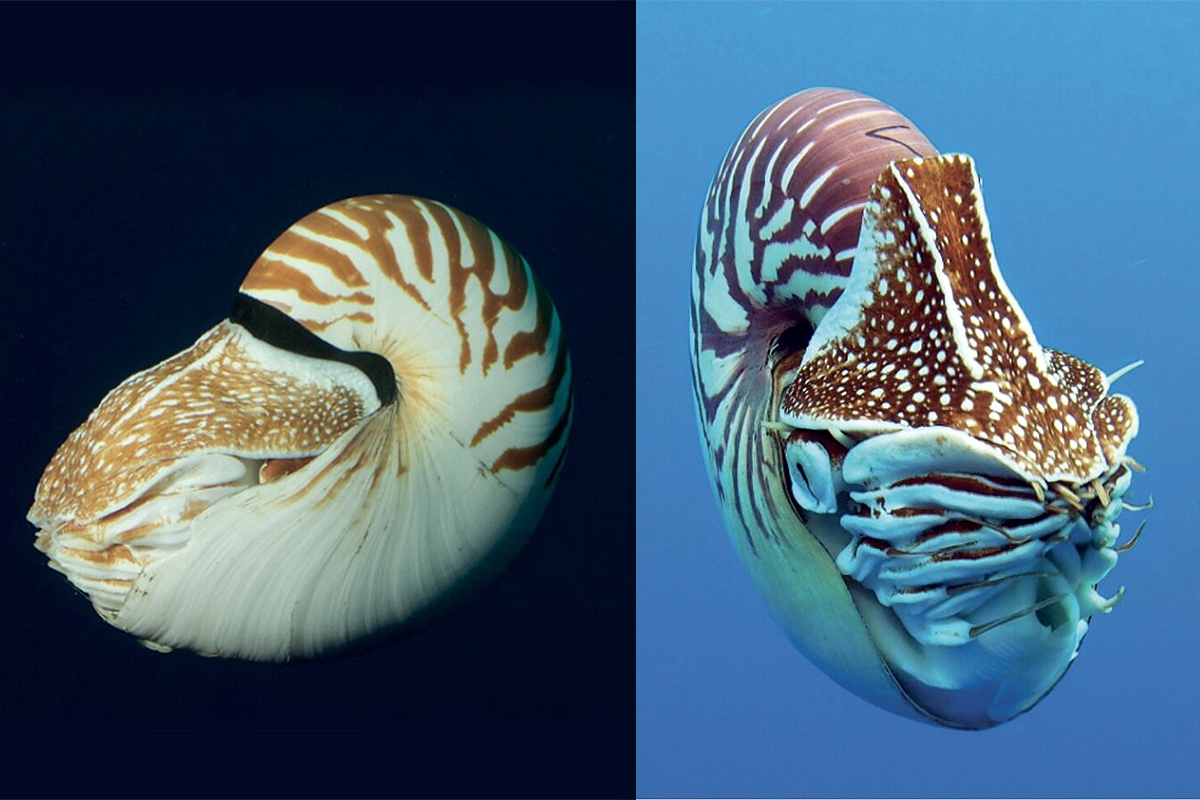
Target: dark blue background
(147,155)
(1083,119)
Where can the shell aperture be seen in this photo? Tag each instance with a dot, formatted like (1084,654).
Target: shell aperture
(936,491)
(374,431)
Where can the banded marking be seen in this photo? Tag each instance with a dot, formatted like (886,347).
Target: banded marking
(783,210)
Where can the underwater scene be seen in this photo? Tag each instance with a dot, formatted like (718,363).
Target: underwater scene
(913,381)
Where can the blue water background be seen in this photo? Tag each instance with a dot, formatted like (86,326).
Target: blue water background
(1084,123)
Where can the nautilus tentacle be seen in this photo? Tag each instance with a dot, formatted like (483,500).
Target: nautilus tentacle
(377,427)
(925,494)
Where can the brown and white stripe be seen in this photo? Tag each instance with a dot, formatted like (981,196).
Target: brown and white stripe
(776,242)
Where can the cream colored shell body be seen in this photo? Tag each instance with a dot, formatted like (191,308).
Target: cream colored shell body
(254,499)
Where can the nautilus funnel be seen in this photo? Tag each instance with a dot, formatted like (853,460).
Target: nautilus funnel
(924,493)
(375,430)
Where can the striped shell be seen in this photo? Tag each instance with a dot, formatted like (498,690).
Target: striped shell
(376,428)
(925,495)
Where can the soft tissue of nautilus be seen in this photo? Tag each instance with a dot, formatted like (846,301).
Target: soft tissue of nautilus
(924,494)
(375,430)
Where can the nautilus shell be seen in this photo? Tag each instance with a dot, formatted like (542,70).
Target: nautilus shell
(375,429)
(924,493)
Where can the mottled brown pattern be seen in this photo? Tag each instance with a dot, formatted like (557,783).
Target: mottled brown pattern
(1078,379)
(902,362)
(1115,422)
(56,493)
(189,404)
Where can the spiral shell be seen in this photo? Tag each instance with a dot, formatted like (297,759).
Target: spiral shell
(375,429)
(926,495)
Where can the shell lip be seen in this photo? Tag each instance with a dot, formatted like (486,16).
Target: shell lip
(271,325)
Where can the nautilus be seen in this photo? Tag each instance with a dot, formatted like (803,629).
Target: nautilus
(374,431)
(925,495)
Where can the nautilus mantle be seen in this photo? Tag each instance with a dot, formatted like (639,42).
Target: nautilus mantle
(925,495)
(374,430)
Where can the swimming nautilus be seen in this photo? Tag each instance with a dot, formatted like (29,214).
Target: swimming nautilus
(924,493)
(374,430)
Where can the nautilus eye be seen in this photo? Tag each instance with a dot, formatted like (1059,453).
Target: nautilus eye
(375,429)
(924,493)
